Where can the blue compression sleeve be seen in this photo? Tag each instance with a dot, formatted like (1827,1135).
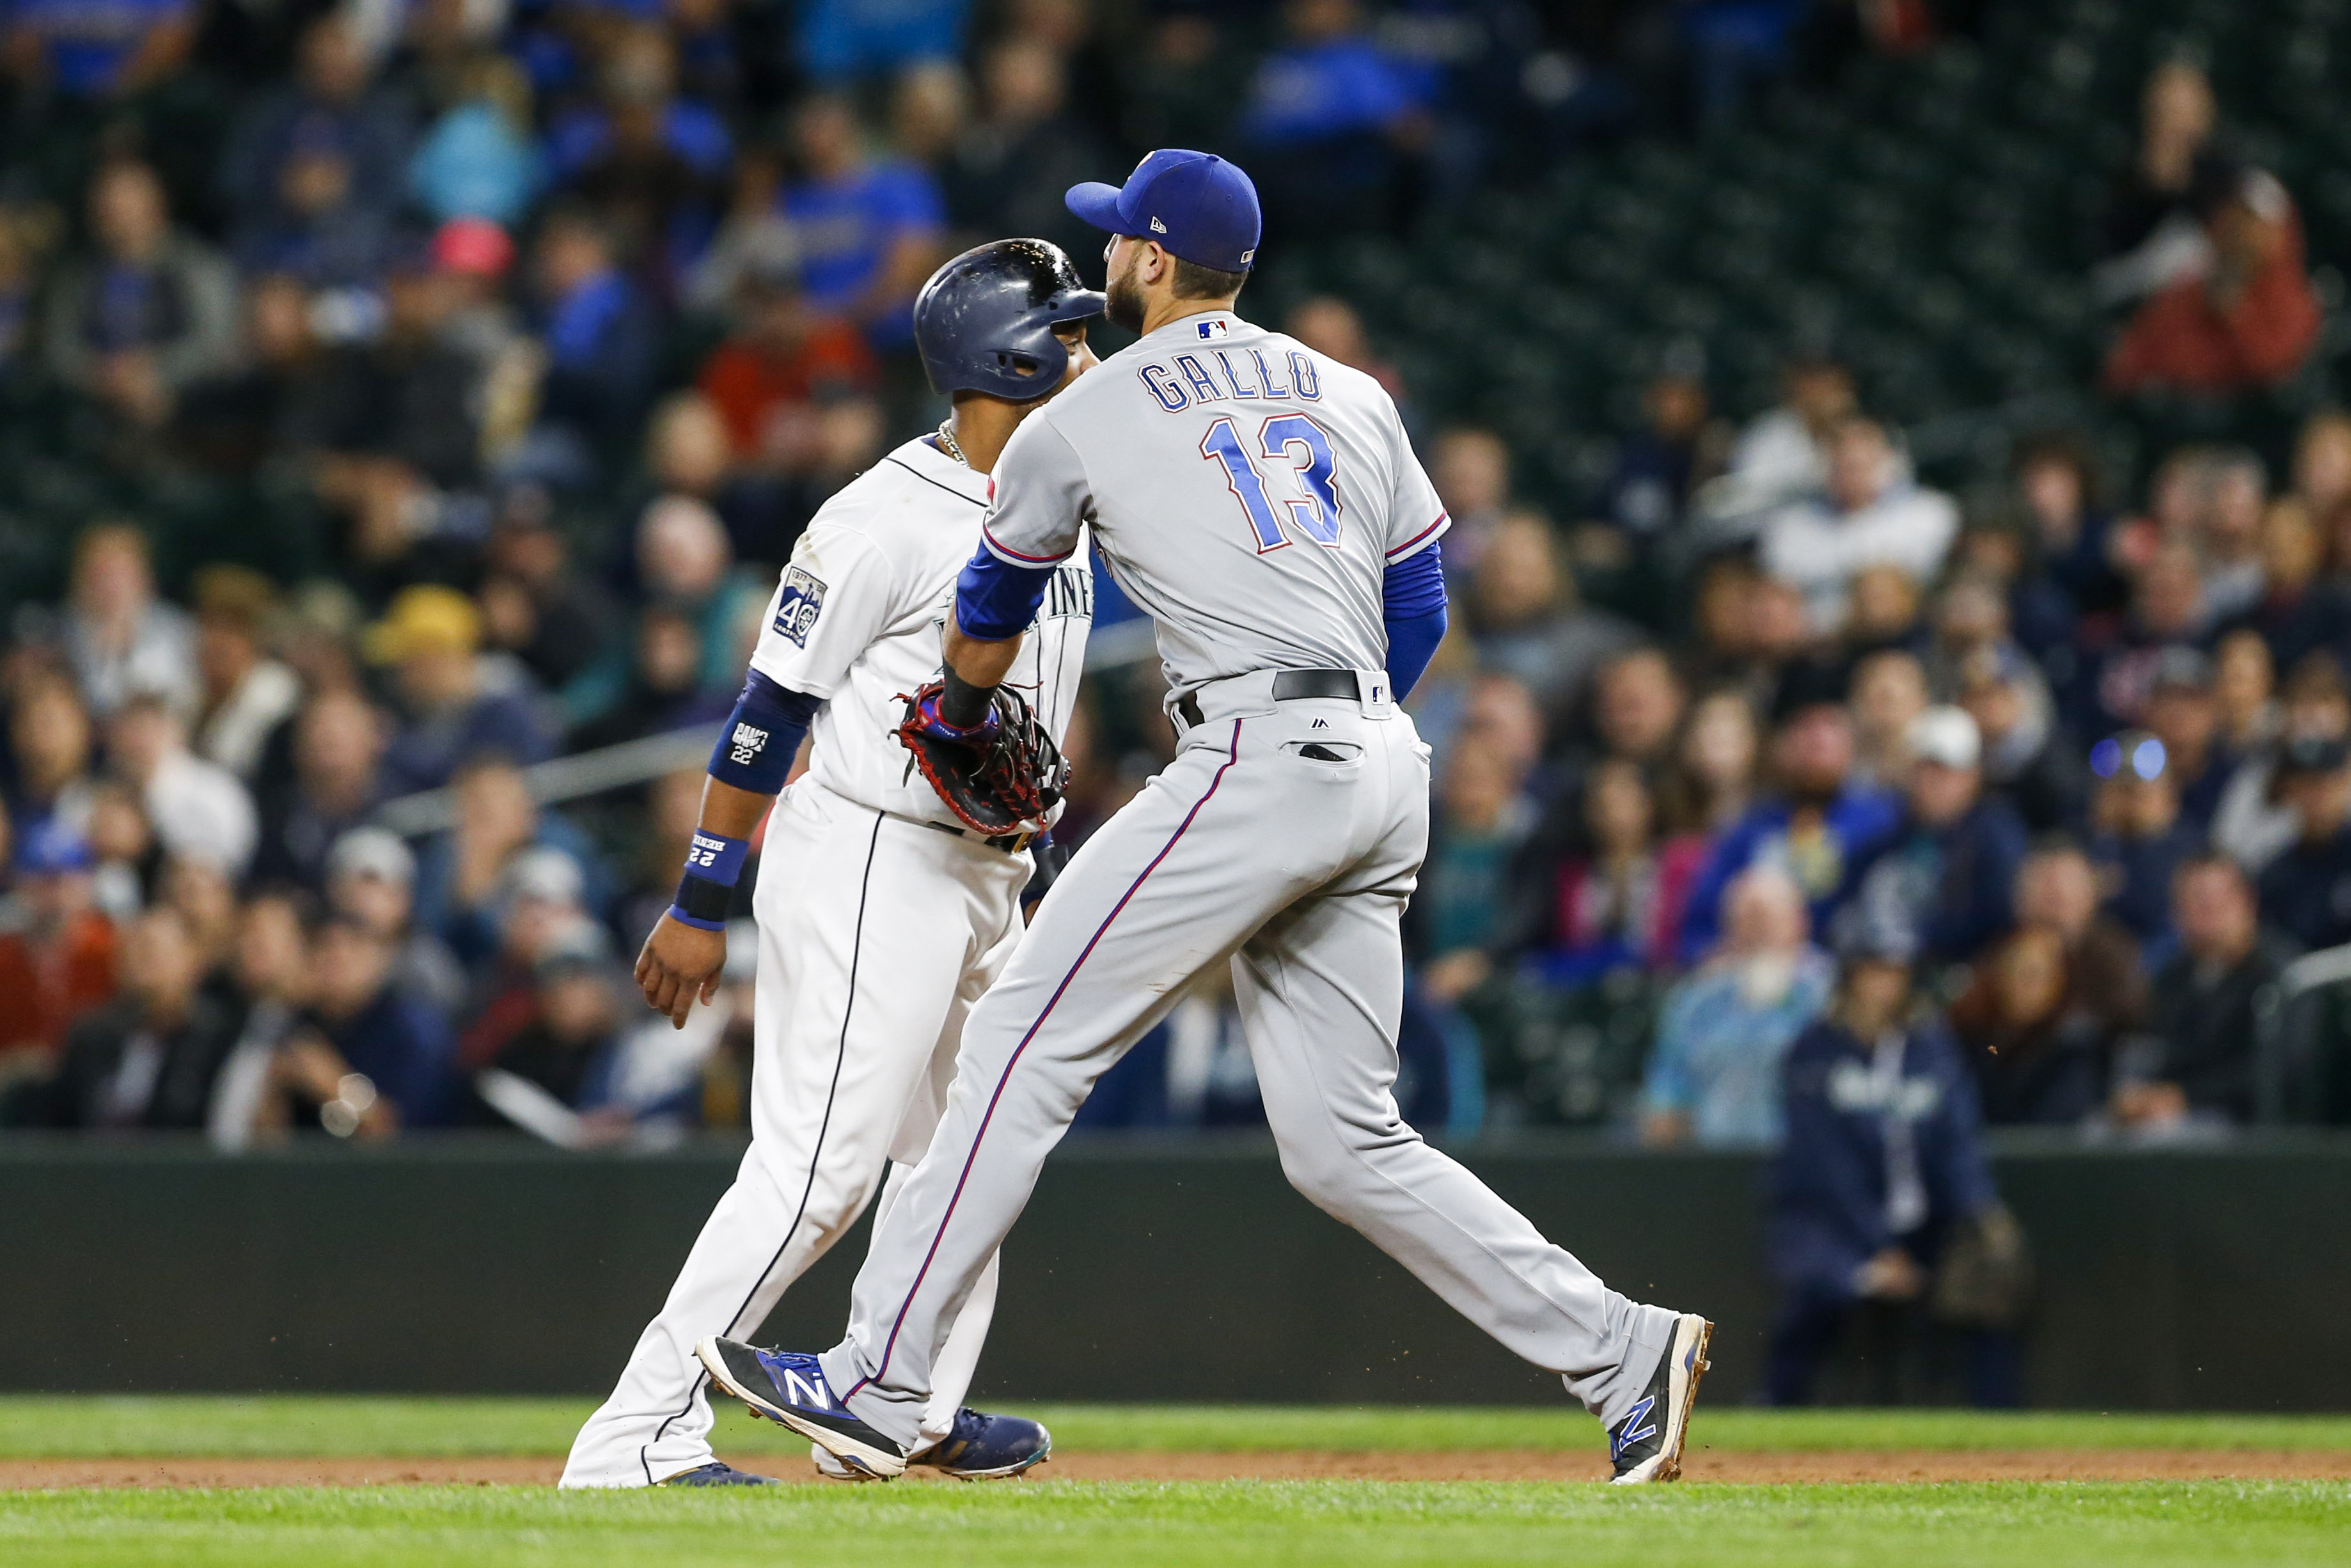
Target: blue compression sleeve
(995,598)
(1412,602)
(755,751)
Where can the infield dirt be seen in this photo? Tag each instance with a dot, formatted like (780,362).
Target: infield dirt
(1766,1468)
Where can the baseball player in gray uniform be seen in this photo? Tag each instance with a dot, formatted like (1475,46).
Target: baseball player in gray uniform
(1262,503)
(880,918)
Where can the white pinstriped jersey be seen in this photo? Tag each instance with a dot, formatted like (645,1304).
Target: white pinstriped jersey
(856,616)
(1245,491)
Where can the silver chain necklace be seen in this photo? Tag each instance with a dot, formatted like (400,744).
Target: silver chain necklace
(948,441)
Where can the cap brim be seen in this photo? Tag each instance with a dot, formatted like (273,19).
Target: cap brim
(1081,305)
(1097,203)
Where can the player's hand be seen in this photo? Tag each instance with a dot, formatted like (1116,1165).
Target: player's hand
(1893,1275)
(679,963)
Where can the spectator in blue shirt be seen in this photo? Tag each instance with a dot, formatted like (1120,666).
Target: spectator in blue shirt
(504,852)
(1331,81)
(870,227)
(99,48)
(1714,1075)
(321,227)
(602,337)
(330,110)
(1883,1156)
(2137,839)
(2306,892)
(150,313)
(459,704)
(397,1042)
(1947,875)
(654,164)
(1823,828)
(478,160)
(1328,113)
(1733,44)
(871,37)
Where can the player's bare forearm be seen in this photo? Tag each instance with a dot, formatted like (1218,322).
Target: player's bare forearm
(979,662)
(681,962)
(731,812)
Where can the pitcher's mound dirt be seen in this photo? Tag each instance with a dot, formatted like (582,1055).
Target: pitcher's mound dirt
(1492,1465)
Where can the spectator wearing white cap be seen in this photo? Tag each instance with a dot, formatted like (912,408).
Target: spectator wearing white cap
(371,879)
(1947,875)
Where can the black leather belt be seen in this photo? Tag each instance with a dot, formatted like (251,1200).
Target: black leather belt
(1290,686)
(1010,844)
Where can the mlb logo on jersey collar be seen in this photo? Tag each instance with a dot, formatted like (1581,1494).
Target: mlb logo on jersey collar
(1215,327)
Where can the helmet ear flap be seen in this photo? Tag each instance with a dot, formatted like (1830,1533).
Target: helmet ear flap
(985,322)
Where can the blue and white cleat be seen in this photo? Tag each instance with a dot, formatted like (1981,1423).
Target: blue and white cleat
(981,1447)
(719,1473)
(790,1389)
(988,1447)
(1646,1445)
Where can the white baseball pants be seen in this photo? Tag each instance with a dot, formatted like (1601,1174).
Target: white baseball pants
(1246,847)
(876,935)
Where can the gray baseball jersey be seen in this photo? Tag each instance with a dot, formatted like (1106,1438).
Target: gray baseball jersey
(1245,491)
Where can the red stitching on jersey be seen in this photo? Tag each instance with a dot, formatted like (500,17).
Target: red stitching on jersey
(1000,547)
(1442,518)
(890,1347)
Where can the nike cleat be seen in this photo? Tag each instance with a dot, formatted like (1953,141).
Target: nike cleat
(1646,1445)
(988,1447)
(790,1389)
(717,1473)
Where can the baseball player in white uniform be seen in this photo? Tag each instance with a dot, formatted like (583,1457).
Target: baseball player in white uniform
(1263,502)
(881,919)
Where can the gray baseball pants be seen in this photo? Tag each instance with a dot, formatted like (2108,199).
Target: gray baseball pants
(1297,870)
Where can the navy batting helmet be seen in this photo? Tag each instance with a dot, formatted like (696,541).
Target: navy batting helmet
(985,321)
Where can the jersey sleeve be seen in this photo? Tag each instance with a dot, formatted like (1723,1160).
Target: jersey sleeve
(1415,516)
(836,596)
(1042,498)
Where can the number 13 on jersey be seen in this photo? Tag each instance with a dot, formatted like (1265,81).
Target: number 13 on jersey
(1296,446)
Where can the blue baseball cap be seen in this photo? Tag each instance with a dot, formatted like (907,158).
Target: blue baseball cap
(1196,205)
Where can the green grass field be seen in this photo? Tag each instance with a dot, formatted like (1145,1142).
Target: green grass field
(1141,1525)
(36,1427)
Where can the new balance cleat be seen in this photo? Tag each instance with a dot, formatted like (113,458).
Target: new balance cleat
(790,1389)
(1646,1445)
(988,1447)
(717,1473)
(833,1469)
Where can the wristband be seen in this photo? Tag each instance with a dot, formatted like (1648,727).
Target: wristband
(760,739)
(715,858)
(714,863)
(701,903)
(683,918)
(962,706)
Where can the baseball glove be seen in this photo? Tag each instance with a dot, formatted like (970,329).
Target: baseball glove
(1984,1278)
(1002,776)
